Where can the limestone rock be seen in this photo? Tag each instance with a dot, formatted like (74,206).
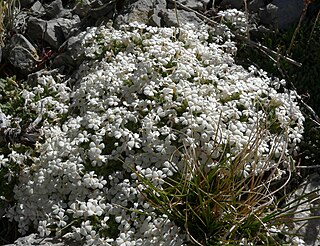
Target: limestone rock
(306,208)
(56,10)
(22,54)
(170,18)
(200,5)
(38,9)
(54,31)
(72,55)
(141,11)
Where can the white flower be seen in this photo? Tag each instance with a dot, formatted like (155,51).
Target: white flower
(143,93)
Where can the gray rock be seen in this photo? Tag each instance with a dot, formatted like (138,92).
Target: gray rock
(82,8)
(26,3)
(22,54)
(169,18)
(155,18)
(54,32)
(100,10)
(35,29)
(232,3)
(38,9)
(200,5)
(255,5)
(309,230)
(269,15)
(3,124)
(69,26)
(289,12)
(72,56)
(56,10)
(139,11)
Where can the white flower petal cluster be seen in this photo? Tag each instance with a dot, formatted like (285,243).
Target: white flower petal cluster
(236,18)
(141,94)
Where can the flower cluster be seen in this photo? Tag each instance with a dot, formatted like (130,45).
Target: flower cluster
(235,19)
(142,94)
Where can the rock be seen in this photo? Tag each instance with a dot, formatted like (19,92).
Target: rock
(3,124)
(255,5)
(38,9)
(289,12)
(308,207)
(141,11)
(34,239)
(56,10)
(237,4)
(155,18)
(269,15)
(72,55)
(35,29)
(105,9)
(54,32)
(82,8)
(69,27)
(26,3)
(22,54)
(200,5)
(169,18)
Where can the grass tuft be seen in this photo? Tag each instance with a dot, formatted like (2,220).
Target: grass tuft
(226,204)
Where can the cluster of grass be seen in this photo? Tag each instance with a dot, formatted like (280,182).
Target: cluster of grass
(7,16)
(226,204)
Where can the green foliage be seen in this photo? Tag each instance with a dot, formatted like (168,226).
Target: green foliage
(7,16)
(11,101)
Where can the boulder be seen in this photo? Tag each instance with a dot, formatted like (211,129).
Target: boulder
(169,18)
(289,12)
(56,10)
(22,54)
(144,11)
(38,9)
(269,15)
(72,54)
(54,31)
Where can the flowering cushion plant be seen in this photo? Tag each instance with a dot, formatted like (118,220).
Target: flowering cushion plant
(142,93)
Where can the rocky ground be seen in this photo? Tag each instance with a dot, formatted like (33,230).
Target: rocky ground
(46,35)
